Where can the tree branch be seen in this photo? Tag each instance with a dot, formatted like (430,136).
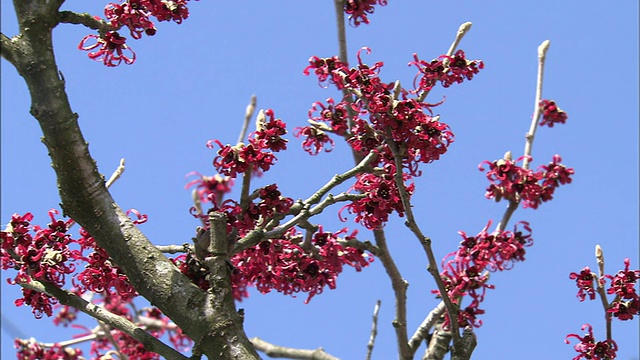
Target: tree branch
(68,298)
(7,49)
(422,332)
(374,330)
(276,351)
(86,19)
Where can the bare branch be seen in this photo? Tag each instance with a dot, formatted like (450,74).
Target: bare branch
(7,49)
(374,330)
(399,286)
(68,298)
(86,19)
(276,351)
(173,249)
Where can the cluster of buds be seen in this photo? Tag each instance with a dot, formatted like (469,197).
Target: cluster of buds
(515,183)
(466,271)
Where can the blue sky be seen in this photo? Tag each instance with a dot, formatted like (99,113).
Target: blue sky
(192,82)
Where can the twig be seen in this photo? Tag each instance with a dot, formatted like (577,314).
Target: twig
(258,234)
(424,240)
(116,174)
(529,137)
(276,351)
(251,108)
(601,291)
(173,249)
(374,330)
(68,298)
(399,286)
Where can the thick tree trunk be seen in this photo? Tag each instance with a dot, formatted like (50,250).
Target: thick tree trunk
(209,318)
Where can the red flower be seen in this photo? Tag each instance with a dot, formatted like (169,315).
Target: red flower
(358,10)
(588,348)
(551,113)
(585,282)
(110,49)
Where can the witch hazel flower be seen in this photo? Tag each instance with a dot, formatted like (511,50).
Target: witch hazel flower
(210,188)
(585,282)
(514,183)
(381,198)
(551,113)
(448,70)
(358,10)
(257,154)
(588,348)
(465,271)
(627,302)
(110,49)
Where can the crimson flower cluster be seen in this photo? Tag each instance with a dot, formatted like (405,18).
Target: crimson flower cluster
(110,49)
(49,254)
(381,198)
(44,256)
(588,348)
(465,270)
(627,302)
(210,188)
(446,69)
(514,183)
(289,266)
(136,16)
(551,113)
(257,155)
(358,10)
(378,118)
(31,350)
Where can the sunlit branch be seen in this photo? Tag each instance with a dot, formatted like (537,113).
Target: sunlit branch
(68,298)
(601,291)
(276,351)
(173,249)
(374,330)
(116,174)
(423,330)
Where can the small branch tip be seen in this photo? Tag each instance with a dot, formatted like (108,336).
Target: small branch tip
(542,49)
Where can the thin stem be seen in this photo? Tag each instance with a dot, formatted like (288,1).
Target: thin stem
(424,240)
(251,108)
(529,137)
(86,19)
(116,174)
(342,33)
(277,351)
(374,330)
(542,55)
(601,291)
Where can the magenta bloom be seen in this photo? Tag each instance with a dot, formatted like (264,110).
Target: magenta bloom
(111,49)
(551,113)
(585,282)
(588,348)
